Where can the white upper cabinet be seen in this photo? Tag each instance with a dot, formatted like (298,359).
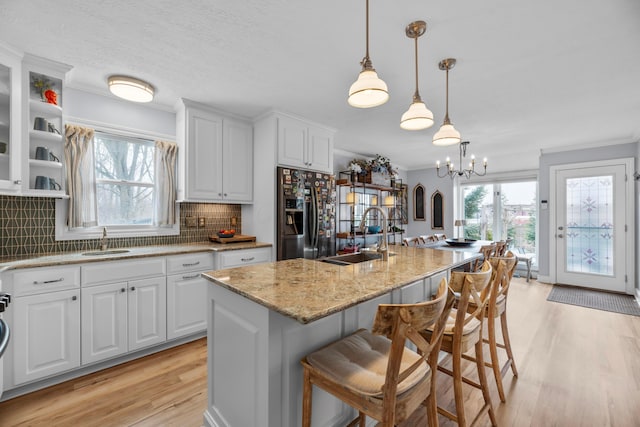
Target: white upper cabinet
(10,124)
(215,157)
(304,145)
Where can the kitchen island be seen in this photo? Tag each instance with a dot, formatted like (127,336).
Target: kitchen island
(263,319)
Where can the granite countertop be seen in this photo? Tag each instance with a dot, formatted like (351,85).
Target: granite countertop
(307,290)
(134,252)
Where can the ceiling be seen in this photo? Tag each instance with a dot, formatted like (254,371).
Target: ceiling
(530,75)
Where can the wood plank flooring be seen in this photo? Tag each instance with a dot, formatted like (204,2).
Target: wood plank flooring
(577,367)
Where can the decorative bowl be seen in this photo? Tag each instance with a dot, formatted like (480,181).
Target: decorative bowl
(456,242)
(225,235)
(373,229)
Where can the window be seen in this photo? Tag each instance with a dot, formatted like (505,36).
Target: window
(501,211)
(129,188)
(124,179)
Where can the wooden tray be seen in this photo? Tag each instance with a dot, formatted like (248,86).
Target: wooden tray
(235,239)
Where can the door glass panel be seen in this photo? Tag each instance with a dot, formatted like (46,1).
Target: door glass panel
(5,117)
(478,212)
(518,215)
(589,220)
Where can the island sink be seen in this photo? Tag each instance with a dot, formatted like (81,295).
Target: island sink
(348,259)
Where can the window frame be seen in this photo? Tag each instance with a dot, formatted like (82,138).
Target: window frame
(63,232)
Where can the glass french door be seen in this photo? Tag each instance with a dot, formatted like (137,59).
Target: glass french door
(591,227)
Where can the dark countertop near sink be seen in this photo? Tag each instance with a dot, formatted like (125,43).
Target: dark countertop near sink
(134,252)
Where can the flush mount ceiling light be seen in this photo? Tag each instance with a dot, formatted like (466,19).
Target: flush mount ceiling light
(369,90)
(447,135)
(130,88)
(418,116)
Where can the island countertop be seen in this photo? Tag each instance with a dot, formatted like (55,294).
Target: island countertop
(307,290)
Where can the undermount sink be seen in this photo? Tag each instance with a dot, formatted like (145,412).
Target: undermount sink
(107,252)
(355,258)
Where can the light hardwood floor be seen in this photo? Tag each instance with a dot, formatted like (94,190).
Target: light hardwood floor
(577,367)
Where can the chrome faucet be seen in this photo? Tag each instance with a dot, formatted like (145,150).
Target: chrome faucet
(103,241)
(383,248)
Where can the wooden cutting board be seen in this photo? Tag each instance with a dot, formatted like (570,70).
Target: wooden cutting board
(235,239)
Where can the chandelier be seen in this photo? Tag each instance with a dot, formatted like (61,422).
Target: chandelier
(451,170)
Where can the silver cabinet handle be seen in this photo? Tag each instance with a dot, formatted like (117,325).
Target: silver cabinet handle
(193,276)
(133,288)
(123,290)
(73,298)
(247,259)
(17,181)
(191,264)
(225,194)
(44,282)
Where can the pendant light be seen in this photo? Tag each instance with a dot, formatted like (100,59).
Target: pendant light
(447,135)
(369,90)
(418,116)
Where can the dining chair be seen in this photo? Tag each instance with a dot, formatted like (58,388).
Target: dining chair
(429,238)
(463,332)
(374,372)
(412,241)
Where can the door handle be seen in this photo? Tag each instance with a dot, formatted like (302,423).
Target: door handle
(560,236)
(561,228)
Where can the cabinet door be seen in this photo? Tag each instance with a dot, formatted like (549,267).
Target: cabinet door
(46,334)
(292,142)
(104,321)
(320,150)
(10,165)
(204,156)
(237,168)
(186,304)
(147,312)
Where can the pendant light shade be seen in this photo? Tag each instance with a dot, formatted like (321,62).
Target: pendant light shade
(418,116)
(369,90)
(130,88)
(447,135)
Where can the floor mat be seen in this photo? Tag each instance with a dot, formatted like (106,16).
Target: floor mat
(618,303)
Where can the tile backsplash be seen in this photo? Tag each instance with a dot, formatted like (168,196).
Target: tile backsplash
(27,227)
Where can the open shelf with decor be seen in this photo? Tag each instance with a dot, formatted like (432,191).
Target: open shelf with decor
(44,168)
(354,198)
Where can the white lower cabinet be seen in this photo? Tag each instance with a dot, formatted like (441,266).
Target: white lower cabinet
(46,334)
(122,317)
(187,293)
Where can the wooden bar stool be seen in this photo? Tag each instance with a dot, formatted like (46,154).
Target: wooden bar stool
(374,372)
(464,331)
(497,307)
(486,251)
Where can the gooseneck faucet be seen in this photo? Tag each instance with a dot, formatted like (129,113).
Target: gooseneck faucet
(103,242)
(383,248)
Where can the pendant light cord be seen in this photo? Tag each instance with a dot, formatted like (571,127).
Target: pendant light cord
(366,56)
(446,115)
(416,96)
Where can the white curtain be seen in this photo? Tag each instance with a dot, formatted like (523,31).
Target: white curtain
(81,185)
(166,154)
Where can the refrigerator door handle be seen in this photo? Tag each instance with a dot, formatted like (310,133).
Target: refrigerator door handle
(314,219)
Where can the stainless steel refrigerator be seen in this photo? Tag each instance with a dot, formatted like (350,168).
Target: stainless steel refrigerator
(306,214)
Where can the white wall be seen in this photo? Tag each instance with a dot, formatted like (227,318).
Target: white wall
(108,111)
(429,179)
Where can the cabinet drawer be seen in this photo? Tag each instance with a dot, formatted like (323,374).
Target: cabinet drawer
(190,262)
(242,257)
(45,279)
(116,271)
